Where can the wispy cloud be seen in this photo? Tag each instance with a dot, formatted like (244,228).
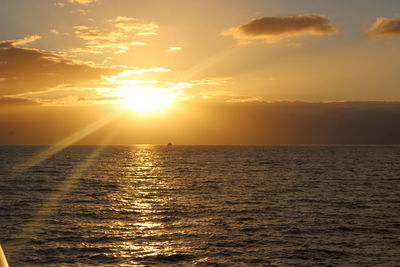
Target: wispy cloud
(59,4)
(98,42)
(116,41)
(274,28)
(384,27)
(88,33)
(25,40)
(174,48)
(80,2)
(123,18)
(245,99)
(128,75)
(54,31)
(215,81)
(84,2)
(139,27)
(130,24)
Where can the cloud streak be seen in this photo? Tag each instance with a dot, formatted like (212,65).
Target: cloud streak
(26,40)
(274,28)
(129,24)
(98,42)
(140,27)
(118,41)
(9,101)
(83,2)
(384,27)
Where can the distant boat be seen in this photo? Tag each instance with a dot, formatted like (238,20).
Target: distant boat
(169,144)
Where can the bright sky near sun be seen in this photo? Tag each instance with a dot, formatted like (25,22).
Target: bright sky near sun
(198,58)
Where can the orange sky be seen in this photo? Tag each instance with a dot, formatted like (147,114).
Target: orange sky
(199,72)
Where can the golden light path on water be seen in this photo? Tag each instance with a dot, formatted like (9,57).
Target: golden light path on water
(136,195)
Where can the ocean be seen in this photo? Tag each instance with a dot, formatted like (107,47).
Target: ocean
(151,205)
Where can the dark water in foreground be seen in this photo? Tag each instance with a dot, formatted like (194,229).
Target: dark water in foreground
(201,206)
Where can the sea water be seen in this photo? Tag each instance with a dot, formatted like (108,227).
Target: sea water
(200,205)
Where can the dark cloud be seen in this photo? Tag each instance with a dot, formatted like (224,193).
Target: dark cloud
(384,27)
(25,70)
(272,28)
(215,122)
(299,123)
(9,101)
(99,99)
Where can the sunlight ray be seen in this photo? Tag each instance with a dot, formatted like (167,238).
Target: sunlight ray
(206,64)
(50,205)
(21,168)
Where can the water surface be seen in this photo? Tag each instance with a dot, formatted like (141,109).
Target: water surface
(201,206)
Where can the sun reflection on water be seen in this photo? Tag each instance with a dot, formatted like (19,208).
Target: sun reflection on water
(139,195)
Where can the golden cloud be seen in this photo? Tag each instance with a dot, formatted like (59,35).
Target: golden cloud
(129,24)
(25,40)
(117,41)
(140,27)
(274,28)
(24,70)
(98,42)
(123,18)
(93,34)
(384,27)
(84,2)
(174,48)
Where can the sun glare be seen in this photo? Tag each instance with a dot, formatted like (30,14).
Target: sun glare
(146,99)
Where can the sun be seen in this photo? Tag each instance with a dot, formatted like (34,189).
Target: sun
(146,99)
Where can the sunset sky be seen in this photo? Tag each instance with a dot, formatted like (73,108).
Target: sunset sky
(200,72)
